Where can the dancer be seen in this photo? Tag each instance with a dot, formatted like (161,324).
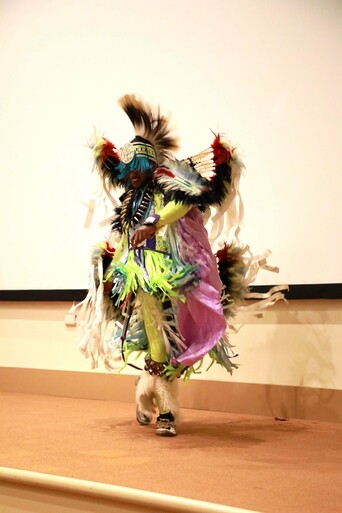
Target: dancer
(157,286)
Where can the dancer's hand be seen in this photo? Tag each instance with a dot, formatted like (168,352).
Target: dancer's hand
(141,234)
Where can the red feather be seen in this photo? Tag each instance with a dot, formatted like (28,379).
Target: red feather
(109,251)
(221,154)
(109,150)
(164,171)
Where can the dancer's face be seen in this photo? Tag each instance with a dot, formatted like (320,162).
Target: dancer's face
(139,178)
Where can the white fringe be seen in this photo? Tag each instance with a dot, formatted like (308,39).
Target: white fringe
(151,390)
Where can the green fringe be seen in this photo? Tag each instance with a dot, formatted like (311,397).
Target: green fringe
(159,277)
(220,356)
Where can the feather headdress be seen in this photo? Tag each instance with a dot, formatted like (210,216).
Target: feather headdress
(150,124)
(203,179)
(152,144)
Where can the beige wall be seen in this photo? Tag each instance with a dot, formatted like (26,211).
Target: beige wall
(296,344)
(266,73)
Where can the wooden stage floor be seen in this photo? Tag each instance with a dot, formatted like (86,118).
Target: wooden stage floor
(244,461)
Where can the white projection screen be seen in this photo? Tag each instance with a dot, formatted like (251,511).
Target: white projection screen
(266,73)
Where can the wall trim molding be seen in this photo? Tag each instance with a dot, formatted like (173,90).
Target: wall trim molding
(298,291)
(246,398)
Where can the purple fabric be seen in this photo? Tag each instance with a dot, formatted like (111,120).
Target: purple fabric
(151,243)
(139,258)
(200,319)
